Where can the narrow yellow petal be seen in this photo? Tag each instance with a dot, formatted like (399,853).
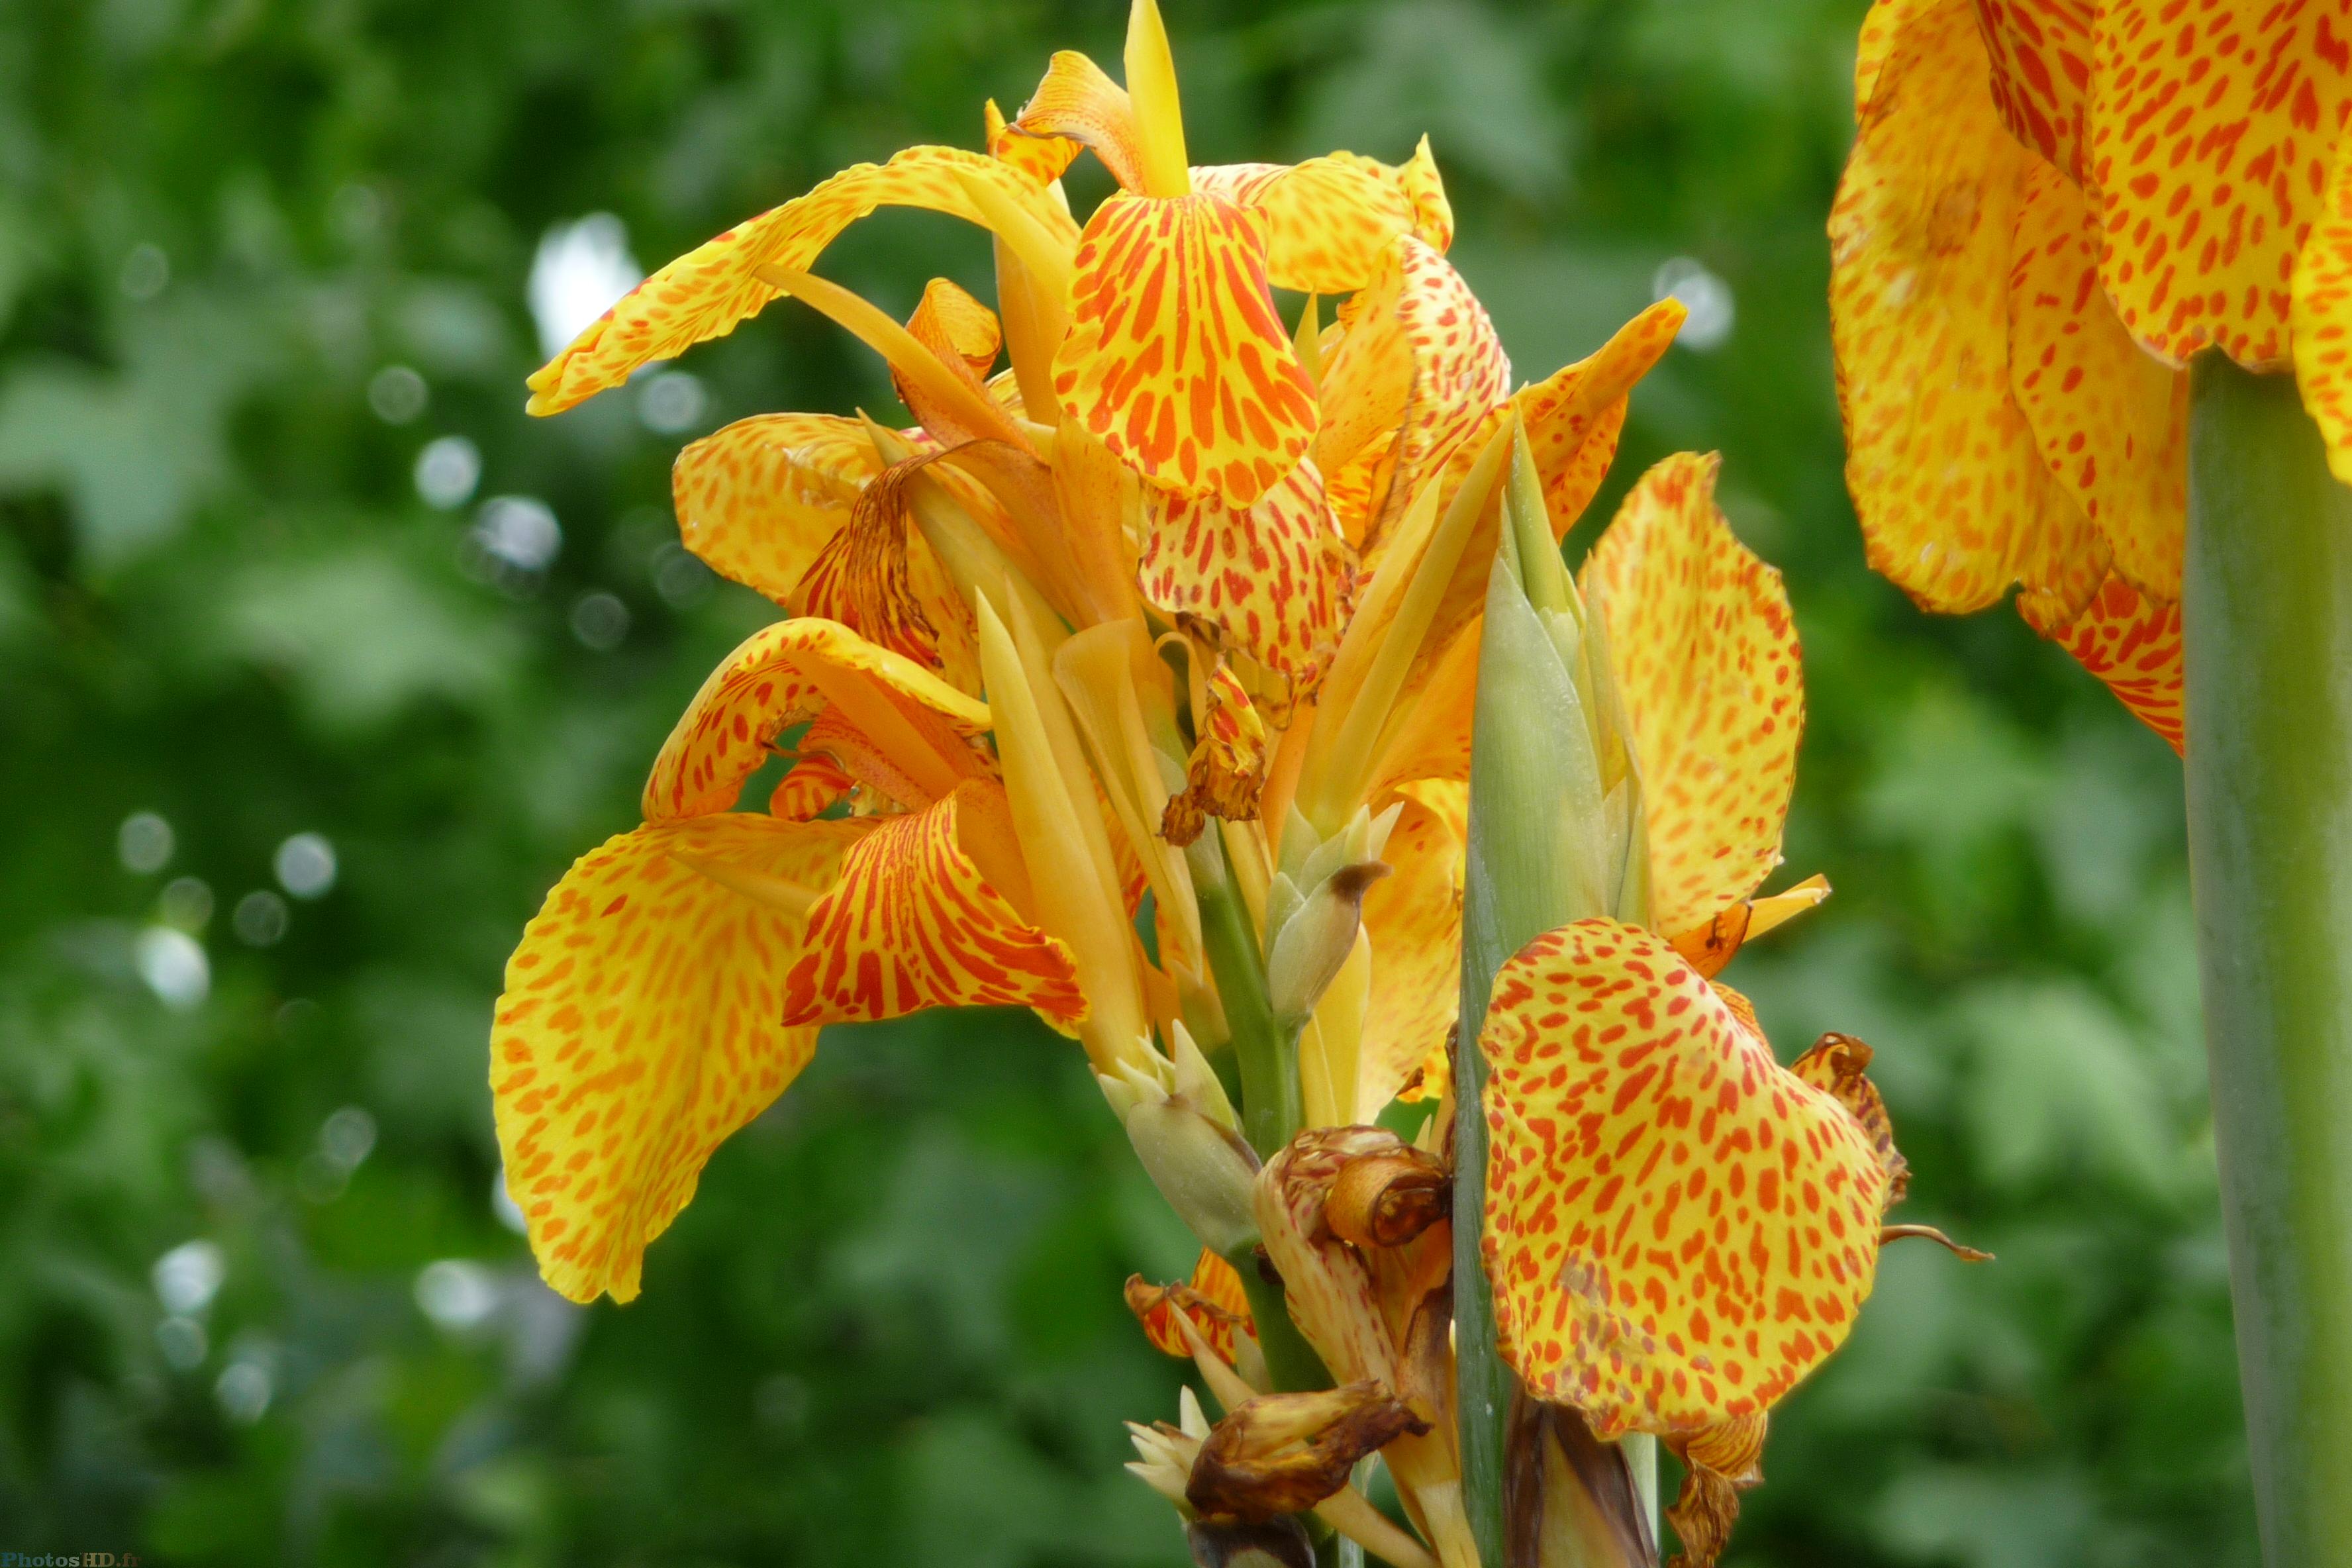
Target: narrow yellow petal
(1045,254)
(1159,116)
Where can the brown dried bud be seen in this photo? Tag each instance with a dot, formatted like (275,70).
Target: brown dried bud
(1719,1463)
(1386,1199)
(1284,1453)
(1231,1544)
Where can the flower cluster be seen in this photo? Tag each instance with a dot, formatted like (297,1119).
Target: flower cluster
(1133,684)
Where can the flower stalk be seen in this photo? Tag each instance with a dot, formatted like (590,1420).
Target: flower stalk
(1549,845)
(2268,609)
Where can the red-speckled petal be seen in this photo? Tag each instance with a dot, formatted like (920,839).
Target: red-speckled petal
(2041,53)
(1679,1228)
(1213,1299)
(640,1026)
(1273,578)
(759,499)
(1043,158)
(705,292)
(1175,357)
(2134,645)
(1330,220)
(2213,124)
(1075,104)
(915,922)
(1952,491)
(1706,657)
(2111,421)
(2323,317)
(767,684)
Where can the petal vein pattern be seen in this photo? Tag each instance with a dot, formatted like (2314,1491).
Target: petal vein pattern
(704,293)
(758,500)
(640,1026)
(1706,655)
(1175,357)
(914,923)
(1329,219)
(1679,1228)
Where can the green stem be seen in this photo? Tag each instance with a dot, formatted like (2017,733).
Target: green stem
(2267,607)
(1271,1110)
(1290,1362)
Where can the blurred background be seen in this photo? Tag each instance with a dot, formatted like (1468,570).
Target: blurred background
(319,662)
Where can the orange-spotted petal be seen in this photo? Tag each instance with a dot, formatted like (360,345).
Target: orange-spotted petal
(1043,158)
(2212,126)
(927,913)
(1573,416)
(1272,577)
(2132,644)
(780,676)
(704,293)
(759,499)
(1679,1228)
(1330,220)
(1949,485)
(1414,918)
(2041,53)
(1226,771)
(2111,421)
(2323,317)
(1706,657)
(1175,356)
(641,1025)
(1077,102)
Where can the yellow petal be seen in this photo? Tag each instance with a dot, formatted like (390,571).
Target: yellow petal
(2134,645)
(2041,53)
(1077,104)
(705,292)
(1679,1228)
(2323,317)
(1706,656)
(1272,577)
(1711,946)
(1330,220)
(924,916)
(2111,421)
(783,673)
(1159,117)
(1175,355)
(1950,489)
(879,578)
(1044,158)
(2212,130)
(640,1026)
(757,499)
(1414,919)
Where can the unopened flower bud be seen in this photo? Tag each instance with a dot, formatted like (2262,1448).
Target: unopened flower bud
(1309,947)
(1194,1156)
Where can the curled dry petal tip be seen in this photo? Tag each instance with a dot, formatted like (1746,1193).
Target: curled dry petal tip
(1284,1453)
(1387,1198)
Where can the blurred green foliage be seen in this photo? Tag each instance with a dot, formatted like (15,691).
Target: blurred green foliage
(888,1329)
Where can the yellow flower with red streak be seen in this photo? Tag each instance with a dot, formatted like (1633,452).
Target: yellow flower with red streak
(2051,207)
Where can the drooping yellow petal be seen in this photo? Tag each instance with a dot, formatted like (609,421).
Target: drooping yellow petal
(1414,919)
(2134,645)
(705,292)
(1706,656)
(1949,485)
(783,673)
(1679,1228)
(2323,317)
(2041,53)
(641,1024)
(758,500)
(924,915)
(1175,356)
(1272,577)
(2111,421)
(1330,220)
(2213,122)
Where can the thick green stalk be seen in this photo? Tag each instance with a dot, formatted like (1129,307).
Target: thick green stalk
(2267,605)
(1272,1110)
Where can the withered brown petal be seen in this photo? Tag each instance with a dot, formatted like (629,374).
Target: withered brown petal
(1234,1544)
(1385,1199)
(1284,1453)
(1719,1463)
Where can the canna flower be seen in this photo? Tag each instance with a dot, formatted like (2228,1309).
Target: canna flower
(1677,1228)
(2050,207)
